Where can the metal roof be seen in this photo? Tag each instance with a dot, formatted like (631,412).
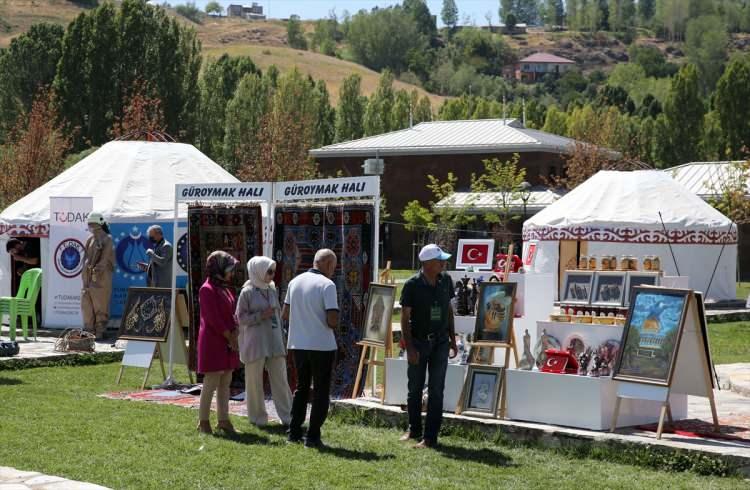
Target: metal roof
(451,137)
(478,202)
(703,178)
(546,58)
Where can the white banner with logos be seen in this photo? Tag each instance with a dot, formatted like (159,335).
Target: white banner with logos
(364,187)
(67,236)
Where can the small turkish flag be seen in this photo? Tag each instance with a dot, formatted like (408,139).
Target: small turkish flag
(475,254)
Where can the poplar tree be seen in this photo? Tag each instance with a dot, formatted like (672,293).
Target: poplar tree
(684,111)
(351,109)
(733,106)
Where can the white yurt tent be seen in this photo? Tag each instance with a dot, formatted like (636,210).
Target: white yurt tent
(618,213)
(131,182)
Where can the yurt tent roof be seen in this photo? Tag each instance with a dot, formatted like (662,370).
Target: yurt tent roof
(127,179)
(635,202)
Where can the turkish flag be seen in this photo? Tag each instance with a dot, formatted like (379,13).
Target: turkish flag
(475,254)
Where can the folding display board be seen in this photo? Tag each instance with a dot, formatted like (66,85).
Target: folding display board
(689,372)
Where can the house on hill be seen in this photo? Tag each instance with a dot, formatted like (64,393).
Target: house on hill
(249,12)
(536,66)
(436,148)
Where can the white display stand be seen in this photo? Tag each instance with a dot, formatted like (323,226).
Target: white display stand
(592,334)
(579,401)
(397,387)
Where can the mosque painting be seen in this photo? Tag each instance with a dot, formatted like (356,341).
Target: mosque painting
(651,335)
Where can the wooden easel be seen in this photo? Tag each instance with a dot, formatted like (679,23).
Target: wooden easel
(510,346)
(386,276)
(369,358)
(692,374)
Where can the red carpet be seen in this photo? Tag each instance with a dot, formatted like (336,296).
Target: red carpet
(735,428)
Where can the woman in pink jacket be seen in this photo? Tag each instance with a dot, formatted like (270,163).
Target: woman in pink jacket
(218,350)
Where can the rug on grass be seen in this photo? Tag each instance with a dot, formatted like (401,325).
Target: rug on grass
(177,398)
(236,230)
(348,230)
(732,428)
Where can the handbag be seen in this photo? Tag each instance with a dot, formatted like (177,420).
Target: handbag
(9,349)
(75,340)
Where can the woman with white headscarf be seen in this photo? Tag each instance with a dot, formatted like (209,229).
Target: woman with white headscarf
(262,342)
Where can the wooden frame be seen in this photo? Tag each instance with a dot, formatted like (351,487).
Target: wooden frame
(641,292)
(603,276)
(375,292)
(636,276)
(506,336)
(566,298)
(487,264)
(468,391)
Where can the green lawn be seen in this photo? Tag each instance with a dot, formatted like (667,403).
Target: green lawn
(730,342)
(53,422)
(743,290)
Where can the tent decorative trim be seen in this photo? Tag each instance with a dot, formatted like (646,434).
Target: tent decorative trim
(26,230)
(632,235)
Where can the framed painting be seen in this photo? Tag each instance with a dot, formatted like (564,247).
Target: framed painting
(640,279)
(146,314)
(577,286)
(379,314)
(494,319)
(475,253)
(609,288)
(651,335)
(481,393)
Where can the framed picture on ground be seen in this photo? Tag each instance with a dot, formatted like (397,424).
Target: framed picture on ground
(379,314)
(146,314)
(475,253)
(481,392)
(640,279)
(576,287)
(609,288)
(494,319)
(648,348)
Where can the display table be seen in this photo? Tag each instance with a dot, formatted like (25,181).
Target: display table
(579,401)
(397,390)
(593,334)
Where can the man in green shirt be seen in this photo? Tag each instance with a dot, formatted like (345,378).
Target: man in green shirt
(429,334)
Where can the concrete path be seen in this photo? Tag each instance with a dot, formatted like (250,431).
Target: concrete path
(735,377)
(44,348)
(13,479)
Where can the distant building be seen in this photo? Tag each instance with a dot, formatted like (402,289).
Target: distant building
(536,66)
(250,12)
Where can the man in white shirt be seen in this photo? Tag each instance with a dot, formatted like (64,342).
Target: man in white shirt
(311,307)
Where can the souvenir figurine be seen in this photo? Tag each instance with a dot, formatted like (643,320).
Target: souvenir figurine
(583,361)
(527,360)
(462,298)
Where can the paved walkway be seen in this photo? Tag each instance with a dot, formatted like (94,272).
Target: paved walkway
(44,348)
(735,377)
(12,479)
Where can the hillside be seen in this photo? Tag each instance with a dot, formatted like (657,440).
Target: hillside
(17,16)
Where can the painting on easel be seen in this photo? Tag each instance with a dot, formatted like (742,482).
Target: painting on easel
(379,314)
(146,314)
(494,323)
(651,335)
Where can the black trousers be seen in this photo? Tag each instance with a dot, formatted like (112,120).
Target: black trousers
(316,367)
(433,359)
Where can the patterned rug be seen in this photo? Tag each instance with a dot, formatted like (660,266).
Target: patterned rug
(237,230)
(348,230)
(170,397)
(733,428)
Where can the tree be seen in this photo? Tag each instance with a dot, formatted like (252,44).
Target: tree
(621,14)
(351,109)
(29,63)
(295,35)
(190,12)
(503,179)
(423,110)
(35,150)
(672,15)
(706,42)
(214,7)
(325,115)
(652,60)
(401,112)
(556,121)
(418,219)
(449,216)
(422,17)
(553,13)
(646,11)
(384,38)
(244,117)
(449,14)
(326,35)
(218,83)
(527,11)
(143,115)
(732,101)
(684,111)
(378,114)
(731,195)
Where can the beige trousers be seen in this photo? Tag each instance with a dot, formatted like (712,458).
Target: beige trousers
(95,309)
(219,382)
(280,392)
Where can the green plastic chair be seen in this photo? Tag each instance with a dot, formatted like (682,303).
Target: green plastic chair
(24,304)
